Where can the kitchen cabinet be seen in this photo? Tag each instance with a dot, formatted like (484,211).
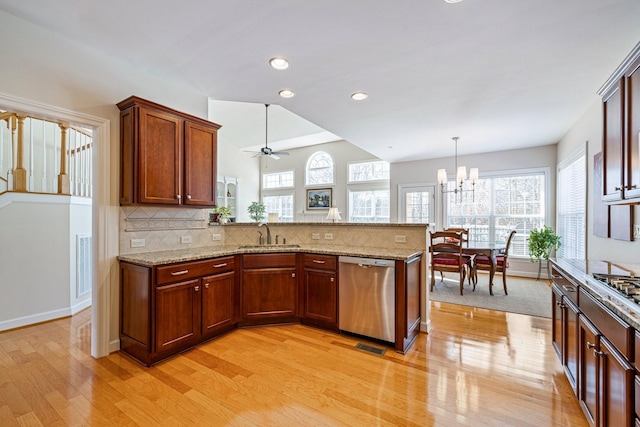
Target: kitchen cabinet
(169,308)
(565,333)
(269,287)
(596,348)
(408,300)
(621,132)
(167,157)
(320,290)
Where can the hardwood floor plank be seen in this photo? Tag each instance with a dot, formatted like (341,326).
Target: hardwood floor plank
(476,367)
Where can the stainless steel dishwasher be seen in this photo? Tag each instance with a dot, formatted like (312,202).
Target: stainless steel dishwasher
(367,297)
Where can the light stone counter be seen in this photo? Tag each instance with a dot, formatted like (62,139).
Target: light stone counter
(150,259)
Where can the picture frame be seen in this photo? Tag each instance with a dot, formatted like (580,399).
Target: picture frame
(318,198)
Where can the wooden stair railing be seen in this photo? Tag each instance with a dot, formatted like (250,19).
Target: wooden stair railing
(59,153)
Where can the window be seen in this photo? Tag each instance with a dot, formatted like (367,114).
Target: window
(319,169)
(571,207)
(277,180)
(502,203)
(369,171)
(369,205)
(282,204)
(417,207)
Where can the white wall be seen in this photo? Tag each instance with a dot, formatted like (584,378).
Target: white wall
(37,250)
(589,129)
(342,152)
(244,167)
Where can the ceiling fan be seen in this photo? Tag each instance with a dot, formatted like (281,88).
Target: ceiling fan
(266,151)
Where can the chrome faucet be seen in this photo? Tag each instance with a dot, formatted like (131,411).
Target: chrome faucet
(268,231)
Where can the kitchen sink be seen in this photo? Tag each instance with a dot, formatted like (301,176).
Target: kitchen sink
(268,246)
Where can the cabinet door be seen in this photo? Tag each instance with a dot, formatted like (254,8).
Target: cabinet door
(588,339)
(321,296)
(557,328)
(571,343)
(177,314)
(616,387)
(612,143)
(632,164)
(160,158)
(217,301)
(200,162)
(269,292)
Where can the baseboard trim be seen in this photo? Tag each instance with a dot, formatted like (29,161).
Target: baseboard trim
(32,319)
(114,346)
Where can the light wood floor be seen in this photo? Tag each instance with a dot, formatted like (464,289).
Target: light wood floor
(476,368)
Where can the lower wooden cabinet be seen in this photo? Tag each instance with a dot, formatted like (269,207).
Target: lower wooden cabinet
(269,286)
(321,290)
(169,308)
(177,315)
(596,349)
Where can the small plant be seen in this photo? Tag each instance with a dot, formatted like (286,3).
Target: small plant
(223,212)
(256,211)
(541,242)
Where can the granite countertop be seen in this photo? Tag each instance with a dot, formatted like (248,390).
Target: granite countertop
(582,270)
(150,259)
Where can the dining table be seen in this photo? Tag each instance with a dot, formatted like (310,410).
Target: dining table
(490,250)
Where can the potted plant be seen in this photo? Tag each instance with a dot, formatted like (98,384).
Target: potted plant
(256,211)
(221,214)
(541,243)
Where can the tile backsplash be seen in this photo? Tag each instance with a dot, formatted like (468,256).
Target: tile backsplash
(166,228)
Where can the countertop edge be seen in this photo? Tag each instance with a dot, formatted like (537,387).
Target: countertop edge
(151,259)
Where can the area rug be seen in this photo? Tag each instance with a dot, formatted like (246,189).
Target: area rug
(526,296)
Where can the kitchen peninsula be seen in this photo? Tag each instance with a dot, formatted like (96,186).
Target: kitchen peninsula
(174,299)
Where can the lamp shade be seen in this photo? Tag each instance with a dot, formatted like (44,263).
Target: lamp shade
(473,175)
(442,176)
(462,174)
(333,214)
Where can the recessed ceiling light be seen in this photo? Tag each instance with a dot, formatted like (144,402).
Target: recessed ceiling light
(287,93)
(359,96)
(279,63)
(453,1)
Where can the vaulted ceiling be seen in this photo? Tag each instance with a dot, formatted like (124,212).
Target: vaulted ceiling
(500,74)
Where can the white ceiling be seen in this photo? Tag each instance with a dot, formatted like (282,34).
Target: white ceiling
(500,74)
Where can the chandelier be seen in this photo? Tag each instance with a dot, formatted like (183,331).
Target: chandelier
(461,176)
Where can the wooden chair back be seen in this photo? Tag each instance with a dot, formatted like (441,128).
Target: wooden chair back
(445,248)
(464,232)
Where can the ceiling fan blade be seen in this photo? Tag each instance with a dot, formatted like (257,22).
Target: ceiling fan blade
(273,156)
(280,153)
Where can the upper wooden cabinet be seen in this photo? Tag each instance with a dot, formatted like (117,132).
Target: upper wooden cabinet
(621,132)
(167,157)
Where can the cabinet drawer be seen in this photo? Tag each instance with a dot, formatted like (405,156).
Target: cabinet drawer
(189,270)
(618,332)
(321,262)
(268,260)
(567,286)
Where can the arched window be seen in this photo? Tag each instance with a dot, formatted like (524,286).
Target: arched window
(319,169)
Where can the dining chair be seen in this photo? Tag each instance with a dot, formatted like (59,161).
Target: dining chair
(502,263)
(445,248)
(464,232)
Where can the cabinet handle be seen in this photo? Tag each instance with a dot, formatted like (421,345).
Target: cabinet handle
(333,280)
(597,353)
(589,345)
(560,304)
(568,288)
(197,288)
(206,286)
(179,273)
(224,264)
(293,274)
(631,187)
(556,276)
(188,196)
(317,261)
(178,197)
(618,188)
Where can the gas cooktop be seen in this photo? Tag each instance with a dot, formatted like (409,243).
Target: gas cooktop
(627,287)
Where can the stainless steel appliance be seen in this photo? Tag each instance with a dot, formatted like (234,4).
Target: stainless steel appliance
(623,288)
(367,297)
